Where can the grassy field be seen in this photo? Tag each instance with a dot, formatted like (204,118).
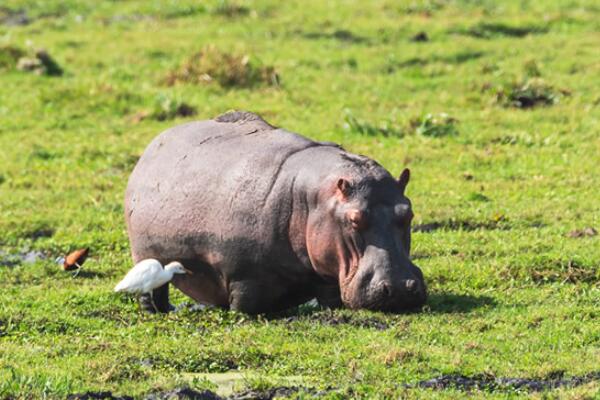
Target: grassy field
(494,106)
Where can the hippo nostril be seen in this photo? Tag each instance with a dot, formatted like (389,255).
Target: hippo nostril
(411,285)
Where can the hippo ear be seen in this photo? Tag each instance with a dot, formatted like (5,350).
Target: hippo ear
(404,178)
(344,187)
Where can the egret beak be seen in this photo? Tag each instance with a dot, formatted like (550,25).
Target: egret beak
(187,271)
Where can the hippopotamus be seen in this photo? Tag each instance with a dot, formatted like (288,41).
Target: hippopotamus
(267,219)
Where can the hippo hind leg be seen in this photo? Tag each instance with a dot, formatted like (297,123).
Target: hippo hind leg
(160,298)
(261,296)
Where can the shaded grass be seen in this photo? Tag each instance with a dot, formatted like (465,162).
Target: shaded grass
(342,35)
(458,58)
(490,30)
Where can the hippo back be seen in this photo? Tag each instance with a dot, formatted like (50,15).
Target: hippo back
(206,180)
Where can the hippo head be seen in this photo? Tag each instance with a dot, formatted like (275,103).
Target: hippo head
(359,234)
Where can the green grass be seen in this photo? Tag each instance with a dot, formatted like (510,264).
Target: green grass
(511,294)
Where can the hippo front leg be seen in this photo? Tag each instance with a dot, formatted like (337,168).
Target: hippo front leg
(258,297)
(160,296)
(329,296)
(248,296)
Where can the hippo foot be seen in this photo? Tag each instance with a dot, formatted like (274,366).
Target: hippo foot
(158,302)
(329,297)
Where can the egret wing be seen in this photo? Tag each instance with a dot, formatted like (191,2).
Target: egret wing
(136,279)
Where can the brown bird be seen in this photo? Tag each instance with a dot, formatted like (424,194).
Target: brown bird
(75,259)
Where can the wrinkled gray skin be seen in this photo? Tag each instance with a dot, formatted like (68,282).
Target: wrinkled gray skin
(267,219)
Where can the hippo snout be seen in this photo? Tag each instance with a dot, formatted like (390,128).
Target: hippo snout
(396,296)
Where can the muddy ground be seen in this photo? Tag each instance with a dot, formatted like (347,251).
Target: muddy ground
(486,383)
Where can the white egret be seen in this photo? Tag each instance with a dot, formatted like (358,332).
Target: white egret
(148,275)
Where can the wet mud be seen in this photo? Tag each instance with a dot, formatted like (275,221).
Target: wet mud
(481,382)
(493,384)
(191,394)
(23,257)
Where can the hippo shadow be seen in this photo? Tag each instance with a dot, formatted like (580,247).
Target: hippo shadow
(437,303)
(452,303)
(302,310)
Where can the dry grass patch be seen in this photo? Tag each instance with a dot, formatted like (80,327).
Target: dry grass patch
(9,56)
(228,8)
(227,69)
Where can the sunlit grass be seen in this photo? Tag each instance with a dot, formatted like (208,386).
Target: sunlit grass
(496,188)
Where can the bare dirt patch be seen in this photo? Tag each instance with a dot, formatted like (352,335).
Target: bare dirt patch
(23,257)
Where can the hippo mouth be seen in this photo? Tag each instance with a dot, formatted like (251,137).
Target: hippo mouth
(381,298)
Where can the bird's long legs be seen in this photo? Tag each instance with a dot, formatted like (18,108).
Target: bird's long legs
(155,301)
(77,271)
(152,301)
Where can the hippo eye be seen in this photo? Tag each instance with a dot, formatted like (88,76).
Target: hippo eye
(405,219)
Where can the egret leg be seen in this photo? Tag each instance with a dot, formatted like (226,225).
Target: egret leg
(152,301)
(156,301)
